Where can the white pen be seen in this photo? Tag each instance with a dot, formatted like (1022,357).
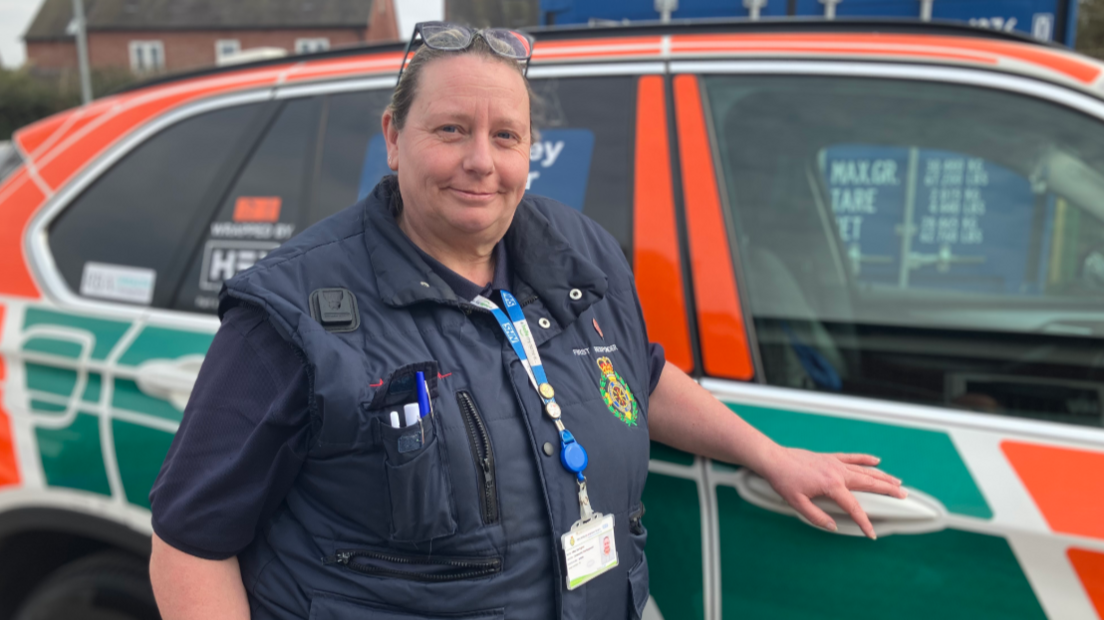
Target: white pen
(394,419)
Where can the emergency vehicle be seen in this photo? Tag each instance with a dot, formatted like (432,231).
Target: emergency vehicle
(861,236)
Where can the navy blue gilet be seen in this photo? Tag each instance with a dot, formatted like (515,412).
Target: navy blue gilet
(466,524)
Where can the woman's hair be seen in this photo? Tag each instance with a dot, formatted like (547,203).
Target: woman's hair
(403,96)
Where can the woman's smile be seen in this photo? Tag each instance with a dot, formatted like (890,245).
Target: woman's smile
(473,195)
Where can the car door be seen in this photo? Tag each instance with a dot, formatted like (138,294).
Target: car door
(99,368)
(104,369)
(903,261)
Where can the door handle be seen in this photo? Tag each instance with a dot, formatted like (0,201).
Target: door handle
(170,380)
(918,513)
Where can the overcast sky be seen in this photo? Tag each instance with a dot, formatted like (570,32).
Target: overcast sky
(15,16)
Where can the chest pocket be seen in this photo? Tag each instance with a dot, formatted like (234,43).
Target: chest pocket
(418,483)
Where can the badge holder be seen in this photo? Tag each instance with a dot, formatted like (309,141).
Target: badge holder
(590,548)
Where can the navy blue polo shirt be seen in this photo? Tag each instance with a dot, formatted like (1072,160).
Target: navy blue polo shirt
(245,430)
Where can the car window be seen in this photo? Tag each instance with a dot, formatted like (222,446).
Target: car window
(116,238)
(921,242)
(581,156)
(583,153)
(263,208)
(354,158)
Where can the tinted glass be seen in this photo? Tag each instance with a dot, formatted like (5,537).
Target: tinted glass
(921,242)
(584,152)
(115,239)
(353,154)
(262,209)
(583,155)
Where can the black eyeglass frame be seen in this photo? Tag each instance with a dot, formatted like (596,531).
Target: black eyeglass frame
(474,32)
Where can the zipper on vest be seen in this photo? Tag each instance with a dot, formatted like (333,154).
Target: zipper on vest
(415,568)
(480,442)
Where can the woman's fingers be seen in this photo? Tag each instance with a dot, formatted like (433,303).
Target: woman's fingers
(851,506)
(814,515)
(857,459)
(874,473)
(874,485)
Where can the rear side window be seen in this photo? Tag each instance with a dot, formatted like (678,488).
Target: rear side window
(354,158)
(264,207)
(117,239)
(583,153)
(920,242)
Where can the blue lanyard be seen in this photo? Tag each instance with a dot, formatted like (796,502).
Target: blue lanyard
(572,454)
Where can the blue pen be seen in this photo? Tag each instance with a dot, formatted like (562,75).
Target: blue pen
(423,394)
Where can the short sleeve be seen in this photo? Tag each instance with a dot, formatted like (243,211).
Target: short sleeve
(657,359)
(241,443)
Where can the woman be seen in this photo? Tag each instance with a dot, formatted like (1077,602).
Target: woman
(295,487)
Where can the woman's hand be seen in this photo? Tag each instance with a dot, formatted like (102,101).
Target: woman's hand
(799,476)
(683,415)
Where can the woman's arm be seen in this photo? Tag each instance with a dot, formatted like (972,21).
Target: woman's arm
(682,414)
(191,588)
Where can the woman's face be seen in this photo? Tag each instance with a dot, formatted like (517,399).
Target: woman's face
(462,156)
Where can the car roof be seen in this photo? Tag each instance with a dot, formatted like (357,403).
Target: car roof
(57,147)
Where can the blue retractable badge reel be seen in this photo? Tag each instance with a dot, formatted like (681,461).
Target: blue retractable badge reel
(572,454)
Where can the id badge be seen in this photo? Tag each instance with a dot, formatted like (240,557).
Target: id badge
(590,549)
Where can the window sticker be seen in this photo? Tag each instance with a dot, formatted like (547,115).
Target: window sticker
(223,259)
(280,231)
(971,223)
(559,165)
(118,283)
(257,209)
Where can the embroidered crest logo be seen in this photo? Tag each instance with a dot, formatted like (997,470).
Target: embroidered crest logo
(619,398)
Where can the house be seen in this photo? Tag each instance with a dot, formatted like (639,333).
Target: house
(151,36)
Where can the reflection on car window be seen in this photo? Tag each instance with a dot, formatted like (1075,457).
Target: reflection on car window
(116,240)
(262,208)
(582,155)
(353,155)
(921,242)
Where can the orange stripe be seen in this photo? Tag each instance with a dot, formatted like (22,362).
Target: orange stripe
(1090,569)
(597,48)
(9,470)
(33,136)
(1077,68)
(656,260)
(853,51)
(21,198)
(1067,485)
(720,320)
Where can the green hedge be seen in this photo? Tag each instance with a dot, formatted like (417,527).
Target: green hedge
(26,97)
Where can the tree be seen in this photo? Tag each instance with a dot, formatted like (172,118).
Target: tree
(1090,28)
(26,97)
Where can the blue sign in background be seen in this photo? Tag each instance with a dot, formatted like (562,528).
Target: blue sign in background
(978,214)
(1038,18)
(559,165)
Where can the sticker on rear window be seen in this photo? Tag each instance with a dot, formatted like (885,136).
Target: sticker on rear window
(223,259)
(257,209)
(118,283)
